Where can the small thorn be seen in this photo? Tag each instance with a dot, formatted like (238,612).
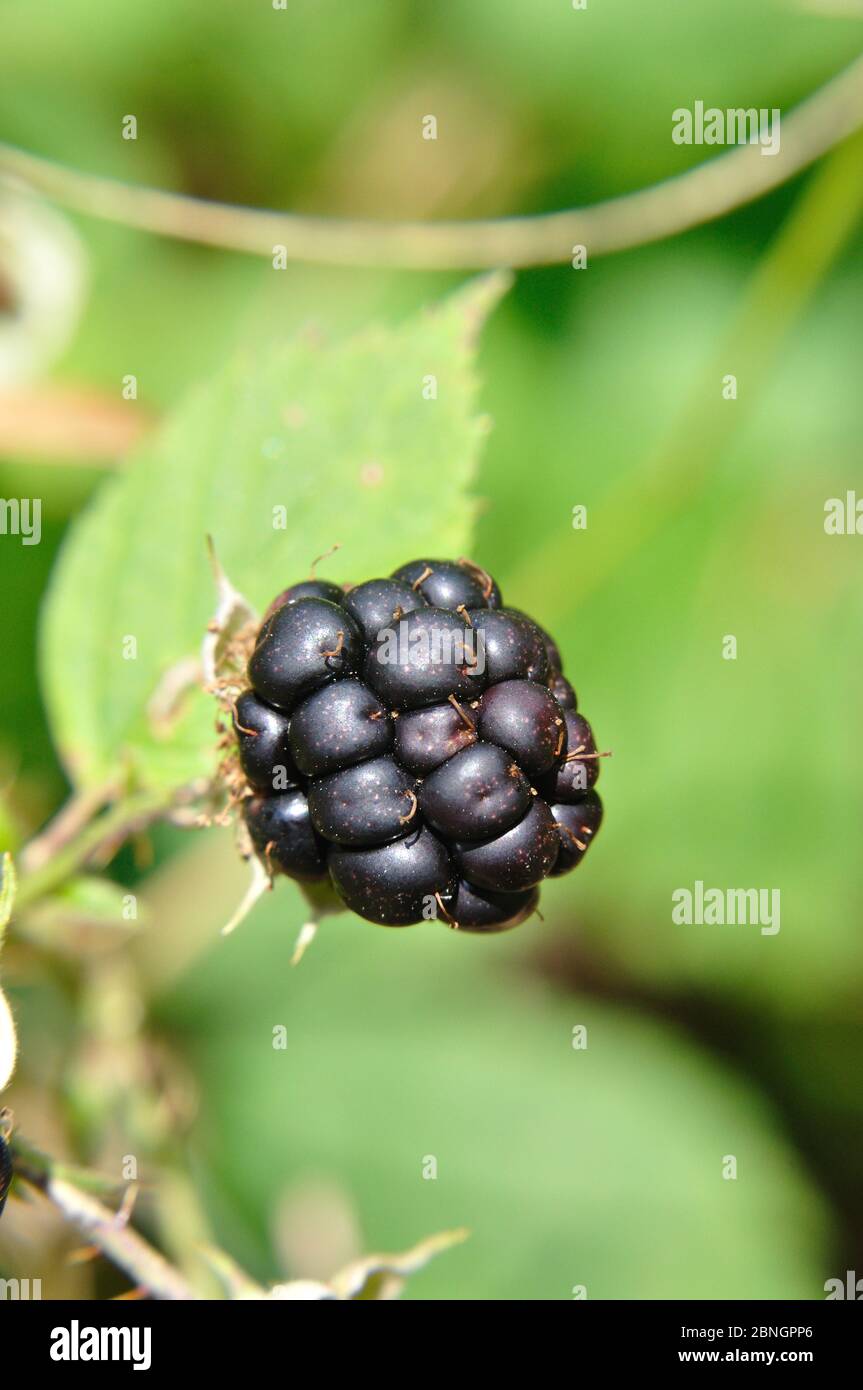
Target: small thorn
(127,1206)
(337,650)
(462,608)
(308,932)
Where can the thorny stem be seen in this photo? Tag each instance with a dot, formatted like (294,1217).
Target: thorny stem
(108,1230)
(709,190)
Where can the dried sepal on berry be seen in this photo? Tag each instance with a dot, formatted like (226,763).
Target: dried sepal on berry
(227,648)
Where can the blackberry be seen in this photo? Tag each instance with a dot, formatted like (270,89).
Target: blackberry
(479,910)
(282,833)
(380,603)
(525,718)
(476,794)
(425,738)
(577,772)
(426,657)
(364,805)
(447,585)
(519,858)
(418,744)
(511,645)
(307,588)
(337,726)
(263,735)
(562,691)
(577,823)
(395,884)
(303,644)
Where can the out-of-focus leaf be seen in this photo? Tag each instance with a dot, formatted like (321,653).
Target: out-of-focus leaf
(382,1276)
(87,915)
(372,1277)
(42,283)
(8,888)
(704,783)
(432,1080)
(293,447)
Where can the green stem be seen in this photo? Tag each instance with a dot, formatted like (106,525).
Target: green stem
(709,190)
(38,1168)
(65,1189)
(122,820)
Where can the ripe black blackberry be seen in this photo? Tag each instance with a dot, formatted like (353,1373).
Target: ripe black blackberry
(418,743)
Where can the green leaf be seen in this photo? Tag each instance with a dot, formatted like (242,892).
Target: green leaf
(340,435)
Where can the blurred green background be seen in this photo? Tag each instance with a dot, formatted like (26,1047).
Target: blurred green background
(600,1167)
